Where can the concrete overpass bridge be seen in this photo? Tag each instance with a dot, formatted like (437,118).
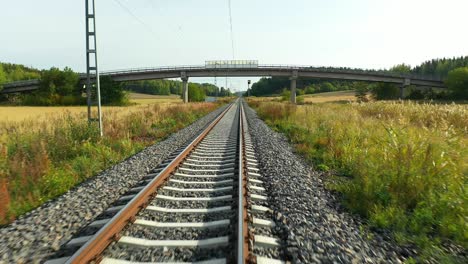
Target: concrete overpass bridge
(239,70)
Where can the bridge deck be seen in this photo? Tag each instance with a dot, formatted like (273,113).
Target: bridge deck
(240,71)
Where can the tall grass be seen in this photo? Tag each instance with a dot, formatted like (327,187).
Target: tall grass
(40,160)
(404,165)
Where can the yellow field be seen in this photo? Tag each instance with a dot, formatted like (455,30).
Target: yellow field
(339,96)
(151,99)
(20,113)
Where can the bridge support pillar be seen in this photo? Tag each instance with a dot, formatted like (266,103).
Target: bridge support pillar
(184,78)
(406,83)
(293,80)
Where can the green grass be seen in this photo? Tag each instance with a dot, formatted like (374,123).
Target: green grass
(42,159)
(403,166)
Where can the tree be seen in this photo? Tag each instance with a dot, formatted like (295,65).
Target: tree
(457,83)
(3,77)
(385,91)
(57,82)
(112,92)
(361,90)
(327,87)
(401,68)
(196,94)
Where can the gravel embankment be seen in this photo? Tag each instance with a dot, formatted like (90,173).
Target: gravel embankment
(40,233)
(319,231)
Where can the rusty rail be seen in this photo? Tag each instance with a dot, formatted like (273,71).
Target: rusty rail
(243,255)
(91,251)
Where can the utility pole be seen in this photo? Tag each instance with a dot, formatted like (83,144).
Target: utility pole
(92,71)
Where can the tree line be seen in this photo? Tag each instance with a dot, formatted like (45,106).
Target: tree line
(275,85)
(15,72)
(63,87)
(58,87)
(167,87)
(453,71)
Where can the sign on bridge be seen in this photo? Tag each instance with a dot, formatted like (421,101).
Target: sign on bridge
(223,64)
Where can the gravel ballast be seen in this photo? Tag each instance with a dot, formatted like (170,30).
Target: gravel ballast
(38,234)
(319,230)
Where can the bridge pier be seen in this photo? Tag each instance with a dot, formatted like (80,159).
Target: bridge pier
(184,78)
(293,80)
(406,83)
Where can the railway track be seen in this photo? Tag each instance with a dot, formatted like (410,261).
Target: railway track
(205,204)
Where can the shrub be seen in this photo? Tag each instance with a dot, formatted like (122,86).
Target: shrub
(361,90)
(309,89)
(300,100)
(286,95)
(457,83)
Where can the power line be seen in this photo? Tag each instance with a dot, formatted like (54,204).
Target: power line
(147,27)
(232,34)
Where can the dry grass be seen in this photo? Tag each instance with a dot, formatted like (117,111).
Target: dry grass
(329,97)
(28,113)
(340,96)
(153,99)
(44,157)
(405,164)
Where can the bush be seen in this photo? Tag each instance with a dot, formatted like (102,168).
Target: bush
(300,100)
(361,90)
(310,90)
(457,83)
(285,95)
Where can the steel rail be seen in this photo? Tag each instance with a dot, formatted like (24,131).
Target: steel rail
(91,251)
(242,228)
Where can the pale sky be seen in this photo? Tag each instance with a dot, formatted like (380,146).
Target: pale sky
(348,33)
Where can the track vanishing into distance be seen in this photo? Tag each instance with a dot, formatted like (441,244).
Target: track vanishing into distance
(205,204)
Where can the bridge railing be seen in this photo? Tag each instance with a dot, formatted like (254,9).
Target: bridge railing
(21,83)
